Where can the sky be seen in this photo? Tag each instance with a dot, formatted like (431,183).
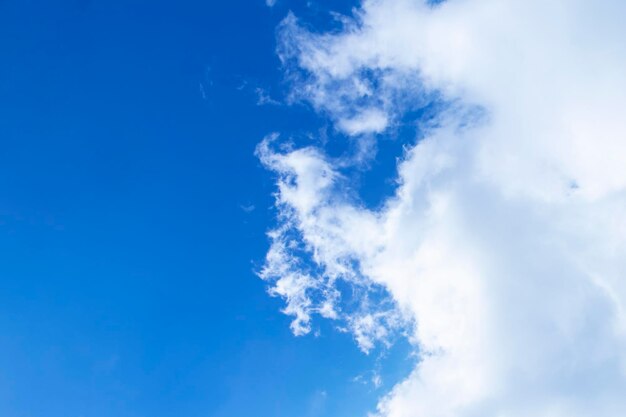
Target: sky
(134,212)
(385,208)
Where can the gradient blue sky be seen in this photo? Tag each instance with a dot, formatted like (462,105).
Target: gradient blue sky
(133,214)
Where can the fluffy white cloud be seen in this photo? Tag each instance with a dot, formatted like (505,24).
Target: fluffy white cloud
(503,251)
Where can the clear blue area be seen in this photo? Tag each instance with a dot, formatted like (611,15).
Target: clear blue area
(133,214)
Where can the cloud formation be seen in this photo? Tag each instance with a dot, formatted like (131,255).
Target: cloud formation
(502,254)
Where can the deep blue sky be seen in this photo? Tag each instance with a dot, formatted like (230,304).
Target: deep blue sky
(127,132)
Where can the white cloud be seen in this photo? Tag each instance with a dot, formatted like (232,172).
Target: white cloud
(270,3)
(503,251)
(370,121)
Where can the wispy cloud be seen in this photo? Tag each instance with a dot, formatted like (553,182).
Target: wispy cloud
(248,208)
(502,254)
(264,98)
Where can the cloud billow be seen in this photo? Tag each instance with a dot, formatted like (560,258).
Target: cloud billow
(502,254)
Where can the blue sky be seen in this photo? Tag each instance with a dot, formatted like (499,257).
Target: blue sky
(133,215)
(439,183)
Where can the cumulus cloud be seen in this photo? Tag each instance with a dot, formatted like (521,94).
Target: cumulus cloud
(502,254)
